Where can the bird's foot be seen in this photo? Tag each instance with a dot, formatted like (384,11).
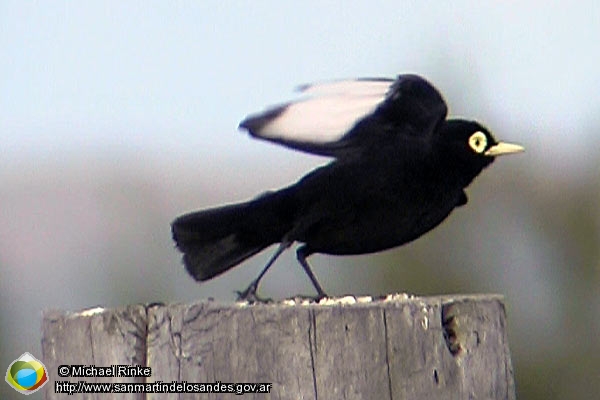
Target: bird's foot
(249,295)
(305,297)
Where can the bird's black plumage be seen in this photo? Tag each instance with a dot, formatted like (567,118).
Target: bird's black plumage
(399,169)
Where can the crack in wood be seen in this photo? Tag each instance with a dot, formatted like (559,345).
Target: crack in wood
(312,340)
(387,352)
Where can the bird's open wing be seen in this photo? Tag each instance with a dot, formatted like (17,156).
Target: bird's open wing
(340,118)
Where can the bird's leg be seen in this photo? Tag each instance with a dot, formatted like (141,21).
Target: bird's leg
(301,255)
(250,292)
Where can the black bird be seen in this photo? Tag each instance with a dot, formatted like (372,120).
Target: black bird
(399,168)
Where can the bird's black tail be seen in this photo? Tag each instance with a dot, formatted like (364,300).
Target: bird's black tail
(215,240)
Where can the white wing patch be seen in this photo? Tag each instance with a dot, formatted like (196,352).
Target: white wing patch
(328,113)
(356,87)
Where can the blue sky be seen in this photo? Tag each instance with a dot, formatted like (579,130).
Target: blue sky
(172,78)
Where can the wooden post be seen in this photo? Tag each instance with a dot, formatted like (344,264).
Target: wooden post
(399,347)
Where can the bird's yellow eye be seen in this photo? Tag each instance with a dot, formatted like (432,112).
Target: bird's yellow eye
(478,142)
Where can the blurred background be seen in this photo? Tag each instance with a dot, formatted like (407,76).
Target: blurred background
(115,117)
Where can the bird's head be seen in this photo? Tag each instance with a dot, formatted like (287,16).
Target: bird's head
(470,146)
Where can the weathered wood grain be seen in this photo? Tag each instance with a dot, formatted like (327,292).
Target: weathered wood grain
(99,338)
(401,347)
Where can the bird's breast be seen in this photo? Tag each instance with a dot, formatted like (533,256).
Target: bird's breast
(373,210)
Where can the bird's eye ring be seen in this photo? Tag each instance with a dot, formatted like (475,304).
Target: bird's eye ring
(478,142)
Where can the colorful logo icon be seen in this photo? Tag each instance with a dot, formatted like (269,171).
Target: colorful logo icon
(26,374)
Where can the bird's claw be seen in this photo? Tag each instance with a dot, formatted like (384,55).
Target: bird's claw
(315,299)
(249,295)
